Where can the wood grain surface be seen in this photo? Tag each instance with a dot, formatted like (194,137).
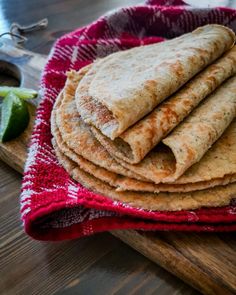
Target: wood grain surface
(100,264)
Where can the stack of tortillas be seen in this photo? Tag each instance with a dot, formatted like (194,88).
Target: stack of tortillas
(154,126)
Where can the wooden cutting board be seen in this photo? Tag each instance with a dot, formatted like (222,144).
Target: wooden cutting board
(206,261)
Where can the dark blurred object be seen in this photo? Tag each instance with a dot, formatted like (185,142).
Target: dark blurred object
(63,16)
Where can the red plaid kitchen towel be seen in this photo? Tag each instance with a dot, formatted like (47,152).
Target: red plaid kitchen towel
(53,206)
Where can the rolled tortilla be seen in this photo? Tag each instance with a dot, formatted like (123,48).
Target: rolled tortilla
(195,135)
(134,144)
(122,88)
(192,139)
(77,134)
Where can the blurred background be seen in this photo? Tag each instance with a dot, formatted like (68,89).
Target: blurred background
(66,15)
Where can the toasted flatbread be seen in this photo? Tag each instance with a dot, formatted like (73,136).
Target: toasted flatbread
(135,143)
(191,140)
(76,133)
(122,88)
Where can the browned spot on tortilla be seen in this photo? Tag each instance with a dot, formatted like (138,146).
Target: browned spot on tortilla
(217,116)
(151,83)
(211,81)
(170,116)
(187,102)
(190,153)
(202,54)
(150,86)
(193,61)
(169,112)
(102,113)
(150,132)
(216,45)
(178,69)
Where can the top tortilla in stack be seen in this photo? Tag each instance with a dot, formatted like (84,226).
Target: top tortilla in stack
(126,86)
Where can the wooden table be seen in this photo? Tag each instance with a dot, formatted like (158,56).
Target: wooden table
(100,264)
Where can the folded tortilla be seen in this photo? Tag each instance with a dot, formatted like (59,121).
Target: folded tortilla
(76,133)
(191,140)
(122,88)
(134,144)
(214,197)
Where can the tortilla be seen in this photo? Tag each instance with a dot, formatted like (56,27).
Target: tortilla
(215,197)
(134,144)
(191,140)
(76,133)
(122,88)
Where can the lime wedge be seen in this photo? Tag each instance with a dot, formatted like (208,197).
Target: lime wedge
(23,93)
(14,117)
